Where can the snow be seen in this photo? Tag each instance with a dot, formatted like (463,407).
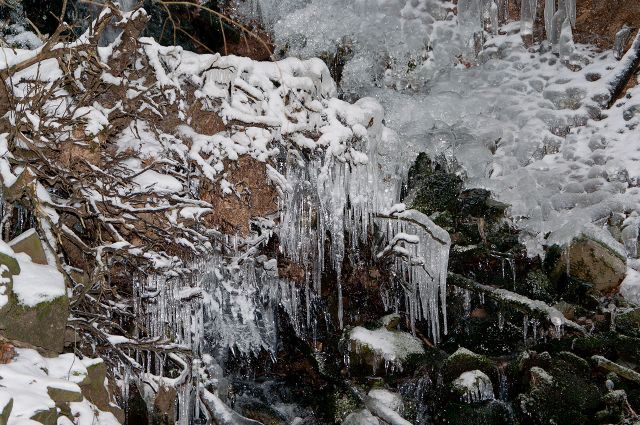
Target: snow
(392,346)
(157,182)
(27,378)
(525,122)
(630,287)
(475,386)
(37,283)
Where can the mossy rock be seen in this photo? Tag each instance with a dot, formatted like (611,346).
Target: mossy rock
(46,417)
(343,403)
(628,323)
(60,395)
(6,412)
(432,188)
(537,286)
(563,394)
(464,360)
(11,263)
(42,325)
(611,345)
(94,390)
(30,243)
(494,412)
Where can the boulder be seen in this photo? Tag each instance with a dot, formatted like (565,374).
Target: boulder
(37,307)
(30,243)
(93,389)
(473,387)
(600,262)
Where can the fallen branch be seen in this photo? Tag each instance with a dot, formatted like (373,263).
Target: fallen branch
(519,302)
(622,73)
(624,372)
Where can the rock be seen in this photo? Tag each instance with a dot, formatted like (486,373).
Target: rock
(164,406)
(595,262)
(30,243)
(361,417)
(93,389)
(628,322)
(60,395)
(8,259)
(6,411)
(46,417)
(567,310)
(494,412)
(37,306)
(464,360)
(473,387)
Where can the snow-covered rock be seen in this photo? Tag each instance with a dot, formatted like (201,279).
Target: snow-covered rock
(473,386)
(382,346)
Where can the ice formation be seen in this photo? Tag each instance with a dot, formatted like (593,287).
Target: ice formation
(475,386)
(520,122)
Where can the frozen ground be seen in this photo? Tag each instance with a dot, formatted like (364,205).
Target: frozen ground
(526,122)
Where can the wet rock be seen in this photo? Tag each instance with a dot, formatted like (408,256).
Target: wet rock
(494,412)
(536,286)
(473,387)
(431,188)
(628,322)
(464,360)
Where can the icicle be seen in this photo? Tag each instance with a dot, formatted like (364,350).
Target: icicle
(565,44)
(549,11)
(493,13)
(525,327)
(527,16)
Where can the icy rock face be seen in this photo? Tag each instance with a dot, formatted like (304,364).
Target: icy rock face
(535,147)
(473,386)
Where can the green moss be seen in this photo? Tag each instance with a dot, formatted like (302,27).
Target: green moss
(343,403)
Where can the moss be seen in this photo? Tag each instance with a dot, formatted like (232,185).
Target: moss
(46,417)
(490,413)
(464,360)
(6,411)
(569,398)
(343,403)
(42,325)
(537,286)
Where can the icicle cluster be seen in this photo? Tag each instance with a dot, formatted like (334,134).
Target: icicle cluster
(422,253)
